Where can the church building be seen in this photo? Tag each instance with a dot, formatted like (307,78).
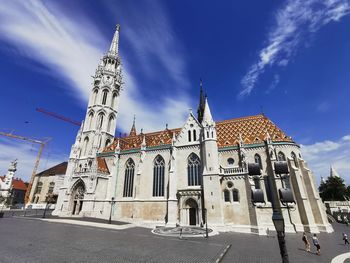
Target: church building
(186,176)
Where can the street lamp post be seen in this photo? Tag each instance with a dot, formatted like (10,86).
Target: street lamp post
(110,213)
(277,216)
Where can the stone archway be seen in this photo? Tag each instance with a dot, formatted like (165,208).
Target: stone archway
(77,197)
(191,212)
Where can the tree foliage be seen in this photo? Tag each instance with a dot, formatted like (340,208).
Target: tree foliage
(334,189)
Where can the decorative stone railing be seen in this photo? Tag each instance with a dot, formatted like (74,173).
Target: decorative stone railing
(233,170)
(89,171)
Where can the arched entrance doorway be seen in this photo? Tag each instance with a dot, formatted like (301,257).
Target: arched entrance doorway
(77,197)
(191,208)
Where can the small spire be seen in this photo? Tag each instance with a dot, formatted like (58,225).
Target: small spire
(133,129)
(143,144)
(202,97)
(323,180)
(115,42)
(166,126)
(117,148)
(333,172)
(207,117)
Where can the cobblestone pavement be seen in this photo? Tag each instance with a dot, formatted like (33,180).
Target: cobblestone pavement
(33,240)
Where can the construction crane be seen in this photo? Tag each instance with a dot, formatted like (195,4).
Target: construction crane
(58,116)
(42,145)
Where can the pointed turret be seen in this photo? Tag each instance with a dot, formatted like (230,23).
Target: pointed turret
(115,42)
(133,128)
(207,117)
(200,110)
(333,172)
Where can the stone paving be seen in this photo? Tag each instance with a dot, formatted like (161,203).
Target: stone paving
(33,240)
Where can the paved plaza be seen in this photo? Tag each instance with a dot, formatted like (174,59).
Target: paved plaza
(28,239)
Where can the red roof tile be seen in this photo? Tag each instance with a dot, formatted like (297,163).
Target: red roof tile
(252,129)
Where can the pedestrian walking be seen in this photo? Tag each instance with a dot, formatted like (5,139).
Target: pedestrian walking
(345,238)
(306,242)
(316,244)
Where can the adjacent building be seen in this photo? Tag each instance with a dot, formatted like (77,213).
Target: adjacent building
(12,190)
(47,183)
(189,175)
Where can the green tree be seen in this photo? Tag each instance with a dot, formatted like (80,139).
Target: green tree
(334,189)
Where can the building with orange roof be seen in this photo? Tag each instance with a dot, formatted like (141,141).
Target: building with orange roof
(188,176)
(12,189)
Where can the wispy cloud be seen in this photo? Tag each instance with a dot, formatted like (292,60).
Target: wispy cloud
(67,46)
(321,155)
(26,154)
(294,23)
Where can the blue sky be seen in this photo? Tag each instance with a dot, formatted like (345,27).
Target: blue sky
(290,59)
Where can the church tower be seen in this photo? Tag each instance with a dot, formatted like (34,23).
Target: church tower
(211,178)
(98,129)
(100,121)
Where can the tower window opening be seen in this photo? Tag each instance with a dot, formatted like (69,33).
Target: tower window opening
(104,98)
(189,136)
(194,135)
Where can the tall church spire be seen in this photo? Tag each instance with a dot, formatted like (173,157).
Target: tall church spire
(200,110)
(115,42)
(133,128)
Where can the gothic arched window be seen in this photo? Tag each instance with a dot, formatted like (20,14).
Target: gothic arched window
(129,178)
(95,94)
(193,170)
(257,159)
(91,116)
(114,99)
(86,144)
(104,96)
(194,135)
(100,120)
(295,159)
(226,196)
(110,122)
(189,135)
(158,176)
(235,195)
(281,156)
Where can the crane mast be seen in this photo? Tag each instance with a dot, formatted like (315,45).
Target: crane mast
(37,160)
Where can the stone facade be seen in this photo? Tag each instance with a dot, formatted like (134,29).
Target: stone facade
(46,183)
(187,176)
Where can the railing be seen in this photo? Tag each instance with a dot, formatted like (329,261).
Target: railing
(88,171)
(233,170)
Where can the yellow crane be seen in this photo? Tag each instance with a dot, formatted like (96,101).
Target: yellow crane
(37,160)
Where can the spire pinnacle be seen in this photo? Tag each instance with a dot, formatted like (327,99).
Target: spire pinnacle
(115,42)
(133,128)
(207,117)
(201,106)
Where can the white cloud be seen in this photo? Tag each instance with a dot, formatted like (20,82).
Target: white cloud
(26,154)
(294,22)
(67,46)
(70,47)
(321,155)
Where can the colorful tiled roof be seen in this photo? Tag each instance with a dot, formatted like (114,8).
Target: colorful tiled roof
(152,140)
(57,169)
(252,129)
